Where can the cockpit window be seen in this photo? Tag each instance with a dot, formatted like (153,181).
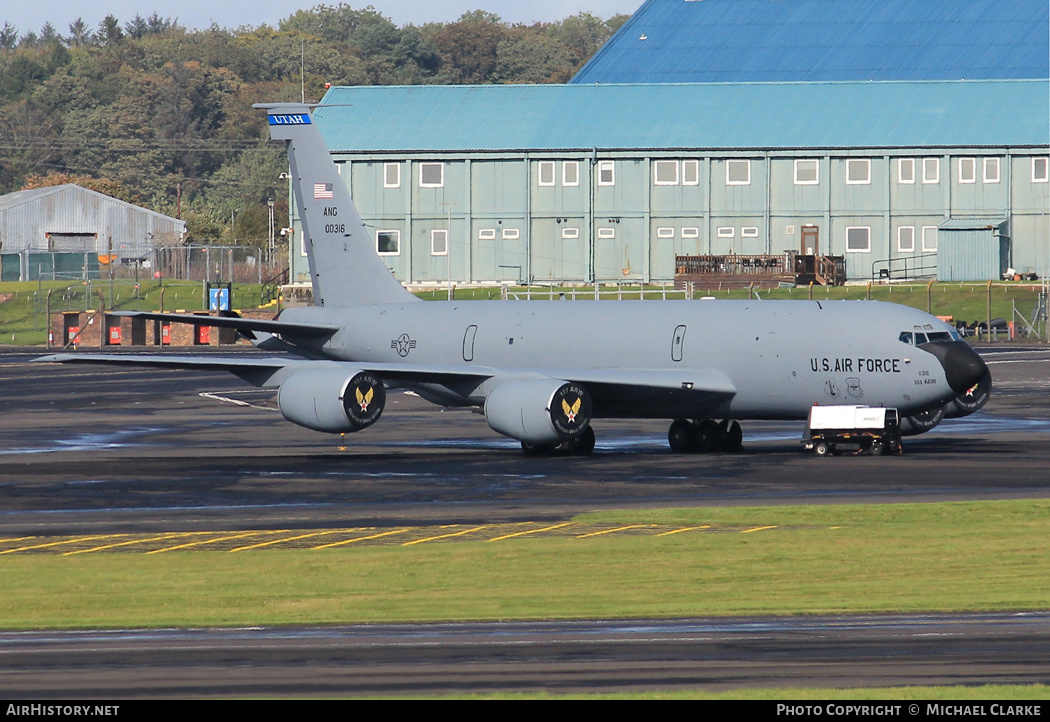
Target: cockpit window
(920,339)
(940,336)
(906,337)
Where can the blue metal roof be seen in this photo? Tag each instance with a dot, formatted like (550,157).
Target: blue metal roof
(430,118)
(676,41)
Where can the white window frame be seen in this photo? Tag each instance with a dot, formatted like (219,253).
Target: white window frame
(511,234)
(816,171)
(967,164)
(864,163)
(901,248)
(664,163)
(725,232)
(387,168)
(867,233)
(929,239)
(690,232)
(570,233)
(730,164)
(565,166)
(691,172)
(434,235)
(486,234)
(665,232)
(901,164)
(935,176)
(549,168)
(991,170)
(441,171)
(606,234)
(749,232)
(606,167)
(397,238)
(1044,176)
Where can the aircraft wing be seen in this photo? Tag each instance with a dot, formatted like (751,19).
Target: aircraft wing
(686,393)
(246,326)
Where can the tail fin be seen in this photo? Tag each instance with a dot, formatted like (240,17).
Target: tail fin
(344,267)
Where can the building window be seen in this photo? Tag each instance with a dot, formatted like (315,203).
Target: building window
(439,243)
(570,173)
(690,172)
(546,172)
(486,234)
(806,172)
(665,172)
(388,243)
(511,234)
(738,172)
(749,232)
(931,170)
(665,232)
(691,232)
(858,171)
(905,170)
(991,170)
(906,239)
(570,234)
(967,170)
(606,173)
(431,175)
(725,232)
(606,233)
(929,239)
(391,175)
(858,239)
(1040,170)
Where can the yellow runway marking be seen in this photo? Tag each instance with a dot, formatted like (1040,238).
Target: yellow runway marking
(610,531)
(445,536)
(360,538)
(124,544)
(686,528)
(64,541)
(532,531)
(214,541)
(758,528)
(288,539)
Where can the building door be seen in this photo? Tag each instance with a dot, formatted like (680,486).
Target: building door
(810,241)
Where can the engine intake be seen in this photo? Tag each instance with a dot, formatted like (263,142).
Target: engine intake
(539,411)
(332,400)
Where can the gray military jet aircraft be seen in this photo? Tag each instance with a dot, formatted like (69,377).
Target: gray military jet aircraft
(542,371)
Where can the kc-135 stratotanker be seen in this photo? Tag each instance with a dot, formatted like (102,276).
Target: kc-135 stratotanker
(544,372)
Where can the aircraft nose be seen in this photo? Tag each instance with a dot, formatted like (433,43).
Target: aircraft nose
(963,367)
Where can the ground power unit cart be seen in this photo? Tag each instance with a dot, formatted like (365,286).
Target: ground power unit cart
(871,430)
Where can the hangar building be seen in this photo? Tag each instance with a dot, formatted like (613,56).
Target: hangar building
(824,126)
(59,229)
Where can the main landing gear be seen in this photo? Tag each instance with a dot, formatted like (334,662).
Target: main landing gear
(581,445)
(704,436)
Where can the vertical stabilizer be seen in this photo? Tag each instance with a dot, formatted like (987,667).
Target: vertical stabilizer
(344,267)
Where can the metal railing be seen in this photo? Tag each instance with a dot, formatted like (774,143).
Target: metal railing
(905,268)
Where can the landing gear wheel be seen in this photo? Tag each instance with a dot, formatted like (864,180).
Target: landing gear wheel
(821,449)
(582,445)
(530,449)
(681,436)
(707,436)
(732,436)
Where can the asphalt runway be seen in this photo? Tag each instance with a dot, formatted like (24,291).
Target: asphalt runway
(99,450)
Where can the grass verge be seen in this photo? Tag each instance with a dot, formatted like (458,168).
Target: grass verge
(799,560)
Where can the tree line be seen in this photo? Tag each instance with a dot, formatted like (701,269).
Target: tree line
(160,115)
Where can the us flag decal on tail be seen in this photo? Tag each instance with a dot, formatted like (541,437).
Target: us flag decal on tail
(323,191)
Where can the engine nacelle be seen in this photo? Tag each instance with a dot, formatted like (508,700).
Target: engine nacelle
(922,422)
(332,400)
(539,411)
(970,400)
